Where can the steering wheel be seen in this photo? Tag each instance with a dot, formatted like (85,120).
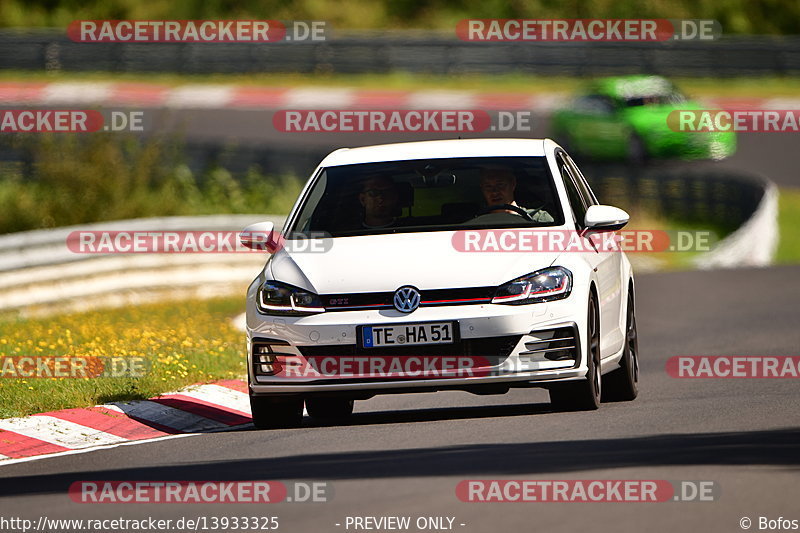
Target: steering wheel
(506,207)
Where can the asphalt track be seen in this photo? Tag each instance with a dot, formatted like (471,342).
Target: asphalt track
(773,155)
(404,455)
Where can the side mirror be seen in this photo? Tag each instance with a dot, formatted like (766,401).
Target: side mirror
(605,218)
(261,236)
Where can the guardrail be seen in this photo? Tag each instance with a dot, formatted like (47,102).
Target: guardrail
(38,273)
(421,52)
(754,243)
(724,199)
(742,203)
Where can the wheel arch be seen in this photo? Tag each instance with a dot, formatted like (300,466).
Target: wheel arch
(593,292)
(631,291)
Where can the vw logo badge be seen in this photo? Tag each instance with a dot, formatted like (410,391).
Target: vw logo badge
(406,299)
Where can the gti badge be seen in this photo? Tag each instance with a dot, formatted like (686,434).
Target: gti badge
(406,299)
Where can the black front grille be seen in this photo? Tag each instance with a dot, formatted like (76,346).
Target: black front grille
(494,349)
(264,354)
(560,344)
(428,298)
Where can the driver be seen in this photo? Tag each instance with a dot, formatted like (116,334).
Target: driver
(498,185)
(379,199)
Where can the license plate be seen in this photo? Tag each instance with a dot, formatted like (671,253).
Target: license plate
(408,334)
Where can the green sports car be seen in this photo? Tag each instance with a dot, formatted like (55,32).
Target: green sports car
(626,118)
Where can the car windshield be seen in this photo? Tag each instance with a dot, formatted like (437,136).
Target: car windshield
(429,195)
(646,91)
(654,100)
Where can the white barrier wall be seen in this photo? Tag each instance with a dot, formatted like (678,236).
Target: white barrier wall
(40,274)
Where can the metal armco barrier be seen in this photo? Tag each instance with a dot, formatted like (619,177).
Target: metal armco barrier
(37,270)
(421,52)
(723,198)
(741,204)
(40,275)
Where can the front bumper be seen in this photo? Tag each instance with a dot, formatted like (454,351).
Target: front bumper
(694,145)
(532,358)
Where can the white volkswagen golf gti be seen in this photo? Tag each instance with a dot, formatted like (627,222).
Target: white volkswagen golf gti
(474,265)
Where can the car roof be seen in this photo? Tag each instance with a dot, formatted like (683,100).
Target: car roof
(437,150)
(633,86)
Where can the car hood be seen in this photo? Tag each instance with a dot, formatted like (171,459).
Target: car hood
(651,122)
(646,117)
(383,263)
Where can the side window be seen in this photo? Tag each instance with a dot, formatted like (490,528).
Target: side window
(594,104)
(583,186)
(574,197)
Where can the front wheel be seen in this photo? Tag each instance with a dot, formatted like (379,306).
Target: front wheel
(584,395)
(622,385)
(637,151)
(276,412)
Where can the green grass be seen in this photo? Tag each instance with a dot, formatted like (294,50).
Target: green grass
(182,343)
(789,226)
(103,176)
(527,83)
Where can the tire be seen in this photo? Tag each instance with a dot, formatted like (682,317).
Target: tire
(584,395)
(329,408)
(637,152)
(622,385)
(276,412)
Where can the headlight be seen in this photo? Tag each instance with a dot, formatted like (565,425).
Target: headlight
(541,286)
(276,298)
